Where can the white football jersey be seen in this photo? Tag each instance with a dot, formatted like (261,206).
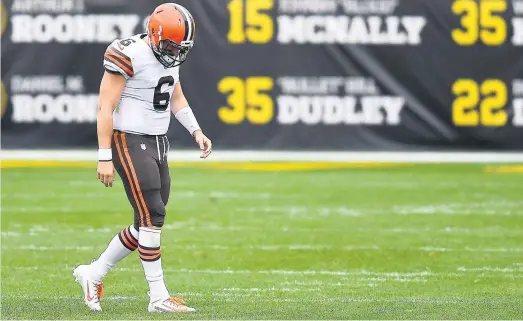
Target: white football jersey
(144,107)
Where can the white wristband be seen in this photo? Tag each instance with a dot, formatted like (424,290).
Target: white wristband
(186,117)
(105,154)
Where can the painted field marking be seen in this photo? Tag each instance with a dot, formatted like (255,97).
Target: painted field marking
(8,164)
(451,209)
(248,166)
(305,212)
(350,275)
(490,269)
(290,247)
(300,166)
(286,156)
(227,166)
(174,194)
(12,231)
(261,297)
(504,169)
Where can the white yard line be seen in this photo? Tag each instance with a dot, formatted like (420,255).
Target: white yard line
(64,297)
(273,289)
(330,284)
(192,226)
(453,209)
(174,194)
(368,300)
(352,278)
(469,249)
(290,247)
(262,297)
(36,209)
(490,269)
(294,272)
(264,272)
(310,212)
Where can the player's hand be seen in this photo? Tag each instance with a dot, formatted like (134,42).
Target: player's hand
(204,143)
(105,173)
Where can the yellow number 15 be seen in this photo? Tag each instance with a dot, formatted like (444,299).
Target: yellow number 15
(257,27)
(480,22)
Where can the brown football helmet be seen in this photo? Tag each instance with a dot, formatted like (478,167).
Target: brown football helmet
(171,30)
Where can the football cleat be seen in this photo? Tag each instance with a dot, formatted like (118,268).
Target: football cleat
(93,290)
(169,305)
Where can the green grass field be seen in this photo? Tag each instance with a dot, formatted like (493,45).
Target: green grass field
(405,242)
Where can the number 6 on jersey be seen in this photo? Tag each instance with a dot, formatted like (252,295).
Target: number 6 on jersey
(161,98)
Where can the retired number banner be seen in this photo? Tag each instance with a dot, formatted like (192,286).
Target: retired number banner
(283,74)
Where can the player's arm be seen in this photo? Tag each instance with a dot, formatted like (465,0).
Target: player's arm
(118,68)
(111,89)
(184,114)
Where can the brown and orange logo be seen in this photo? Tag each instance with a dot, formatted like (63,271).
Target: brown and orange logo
(4,100)
(3,17)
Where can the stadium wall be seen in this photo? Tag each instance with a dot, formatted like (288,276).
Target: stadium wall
(310,75)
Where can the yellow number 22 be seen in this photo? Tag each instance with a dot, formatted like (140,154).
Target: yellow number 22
(491,97)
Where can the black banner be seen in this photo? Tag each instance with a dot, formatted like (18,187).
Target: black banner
(283,74)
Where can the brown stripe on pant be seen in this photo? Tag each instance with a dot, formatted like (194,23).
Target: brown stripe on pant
(135,201)
(147,221)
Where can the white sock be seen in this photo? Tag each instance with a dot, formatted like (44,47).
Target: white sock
(123,244)
(150,255)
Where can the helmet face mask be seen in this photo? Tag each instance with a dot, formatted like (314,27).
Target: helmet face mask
(170,54)
(171,30)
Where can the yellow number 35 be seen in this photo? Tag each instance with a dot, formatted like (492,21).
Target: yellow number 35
(247,100)
(479,21)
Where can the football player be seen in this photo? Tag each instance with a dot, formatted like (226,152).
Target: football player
(139,90)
